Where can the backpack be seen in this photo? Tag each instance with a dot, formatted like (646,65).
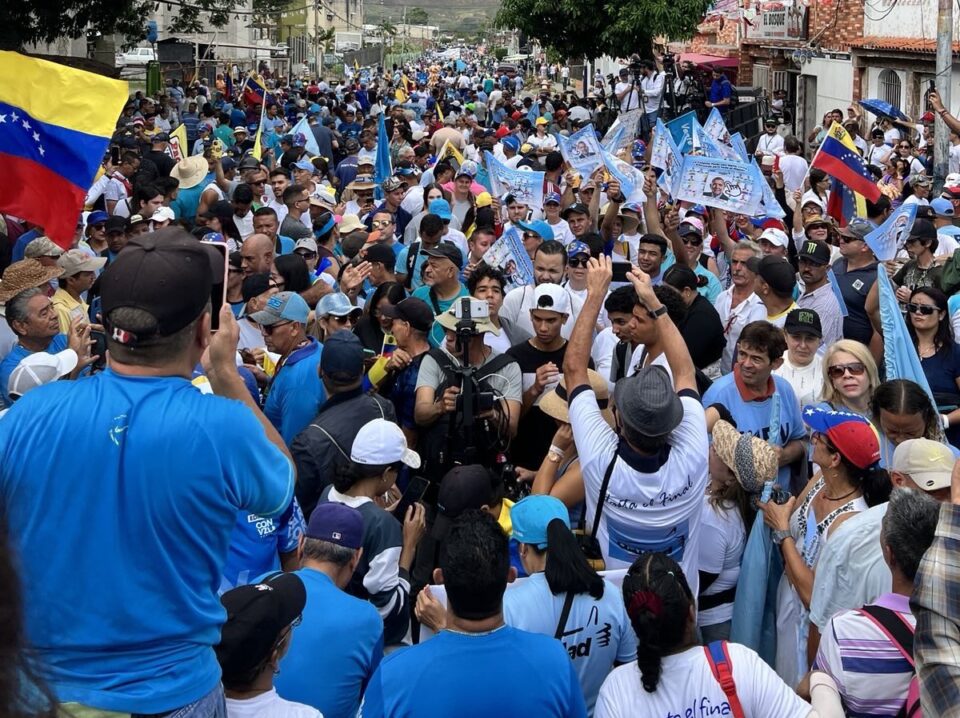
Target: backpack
(900,634)
(718,658)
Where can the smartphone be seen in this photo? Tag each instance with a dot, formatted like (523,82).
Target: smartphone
(620,271)
(218,290)
(115,155)
(98,349)
(414,492)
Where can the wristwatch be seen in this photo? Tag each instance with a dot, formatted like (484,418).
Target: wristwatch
(780,535)
(659,311)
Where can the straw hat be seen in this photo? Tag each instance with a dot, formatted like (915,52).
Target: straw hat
(554,402)
(25,274)
(190,171)
(752,460)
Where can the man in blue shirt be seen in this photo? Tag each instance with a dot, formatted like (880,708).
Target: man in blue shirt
(339,643)
(445,262)
(721,91)
(761,403)
(145,503)
(295,393)
(440,676)
(260,545)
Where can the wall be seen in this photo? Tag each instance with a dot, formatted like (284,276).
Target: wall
(906,18)
(834,83)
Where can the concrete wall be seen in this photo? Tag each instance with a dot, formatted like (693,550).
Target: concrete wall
(906,18)
(834,83)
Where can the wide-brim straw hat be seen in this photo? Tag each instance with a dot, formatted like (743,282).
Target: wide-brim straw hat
(751,459)
(553,403)
(25,274)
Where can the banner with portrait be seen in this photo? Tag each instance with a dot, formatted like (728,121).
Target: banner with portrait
(724,184)
(508,255)
(581,150)
(525,185)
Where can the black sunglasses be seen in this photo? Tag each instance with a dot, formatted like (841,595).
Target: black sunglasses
(924,309)
(582,262)
(838,370)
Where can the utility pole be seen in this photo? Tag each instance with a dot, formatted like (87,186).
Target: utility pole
(316,38)
(941,139)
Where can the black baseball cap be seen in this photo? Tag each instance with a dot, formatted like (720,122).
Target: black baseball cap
(257,615)
(803,321)
(116,224)
(342,358)
(816,252)
(446,250)
(379,252)
(923,229)
(255,285)
(578,207)
(168,274)
(778,273)
(412,310)
(461,489)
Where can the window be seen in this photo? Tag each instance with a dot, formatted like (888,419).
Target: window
(761,77)
(890,87)
(779,80)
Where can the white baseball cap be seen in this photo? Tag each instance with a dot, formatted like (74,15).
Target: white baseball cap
(928,463)
(163,214)
(776,237)
(381,442)
(551,297)
(40,368)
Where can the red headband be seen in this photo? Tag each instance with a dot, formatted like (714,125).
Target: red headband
(645,601)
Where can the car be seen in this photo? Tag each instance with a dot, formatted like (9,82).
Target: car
(136,56)
(507,69)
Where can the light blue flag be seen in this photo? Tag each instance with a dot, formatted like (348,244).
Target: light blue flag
(711,148)
(716,127)
(534,113)
(665,156)
(526,186)
(736,139)
(303,127)
(611,141)
(724,184)
(381,168)
(900,358)
(835,287)
(771,207)
(623,131)
(581,150)
(631,181)
(885,240)
(682,130)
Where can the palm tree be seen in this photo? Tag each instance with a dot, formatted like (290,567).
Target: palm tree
(385,29)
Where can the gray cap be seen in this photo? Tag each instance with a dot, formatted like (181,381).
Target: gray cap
(648,403)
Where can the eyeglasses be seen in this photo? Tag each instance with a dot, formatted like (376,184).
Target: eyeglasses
(268,329)
(847,240)
(99,225)
(905,147)
(924,309)
(838,370)
(381,223)
(693,242)
(531,235)
(578,262)
(307,255)
(822,438)
(345,319)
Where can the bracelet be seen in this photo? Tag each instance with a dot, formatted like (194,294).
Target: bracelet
(945,418)
(554,449)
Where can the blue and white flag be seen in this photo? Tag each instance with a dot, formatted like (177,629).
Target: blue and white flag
(613,138)
(682,130)
(736,139)
(508,255)
(724,184)
(887,239)
(534,112)
(771,208)
(581,150)
(630,179)
(303,128)
(382,167)
(709,147)
(525,185)
(623,131)
(900,358)
(665,156)
(838,293)
(716,127)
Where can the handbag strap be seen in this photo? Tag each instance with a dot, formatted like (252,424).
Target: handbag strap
(719,660)
(894,627)
(564,615)
(603,496)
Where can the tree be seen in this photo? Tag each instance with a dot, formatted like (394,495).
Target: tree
(24,22)
(384,30)
(592,28)
(417,16)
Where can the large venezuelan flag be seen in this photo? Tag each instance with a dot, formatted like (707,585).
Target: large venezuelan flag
(55,125)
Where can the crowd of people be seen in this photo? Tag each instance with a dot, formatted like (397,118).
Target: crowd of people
(280,439)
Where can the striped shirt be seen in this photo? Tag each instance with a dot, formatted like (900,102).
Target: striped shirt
(871,674)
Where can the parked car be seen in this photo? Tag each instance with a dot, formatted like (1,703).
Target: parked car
(136,56)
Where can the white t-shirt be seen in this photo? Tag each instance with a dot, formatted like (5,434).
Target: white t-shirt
(653,503)
(520,300)
(722,540)
(794,169)
(244,224)
(687,688)
(269,705)
(770,144)
(631,100)
(652,87)
(807,381)
(561,232)
(954,161)
(891,136)
(602,354)
(734,319)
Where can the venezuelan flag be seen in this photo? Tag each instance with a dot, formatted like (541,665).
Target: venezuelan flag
(839,158)
(55,125)
(254,89)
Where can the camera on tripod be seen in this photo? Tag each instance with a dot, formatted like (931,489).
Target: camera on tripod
(468,311)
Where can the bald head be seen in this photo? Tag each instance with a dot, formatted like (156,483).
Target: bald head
(257,254)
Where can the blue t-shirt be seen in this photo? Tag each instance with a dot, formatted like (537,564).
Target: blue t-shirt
(143,507)
(257,542)
(337,647)
(10,362)
(757,416)
(507,672)
(296,392)
(437,335)
(597,633)
(21,244)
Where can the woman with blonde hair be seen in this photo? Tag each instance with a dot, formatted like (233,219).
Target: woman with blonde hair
(850,377)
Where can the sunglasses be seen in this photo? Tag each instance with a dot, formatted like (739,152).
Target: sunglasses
(693,242)
(101,225)
(307,254)
(847,240)
(581,262)
(268,329)
(531,235)
(345,319)
(381,223)
(838,370)
(924,309)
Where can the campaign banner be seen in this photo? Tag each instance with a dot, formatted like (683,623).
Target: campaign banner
(581,150)
(508,255)
(630,179)
(716,127)
(623,131)
(707,146)
(665,156)
(682,130)
(771,208)
(724,184)
(736,139)
(887,239)
(526,186)
(613,143)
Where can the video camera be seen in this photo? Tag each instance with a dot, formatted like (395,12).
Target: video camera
(470,400)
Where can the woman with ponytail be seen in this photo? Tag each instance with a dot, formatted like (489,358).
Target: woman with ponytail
(846,447)
(701,328)
(564,597)
(672,675)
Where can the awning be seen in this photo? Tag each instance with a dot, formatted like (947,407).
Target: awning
(709,60)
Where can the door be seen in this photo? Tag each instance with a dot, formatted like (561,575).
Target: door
(807,118)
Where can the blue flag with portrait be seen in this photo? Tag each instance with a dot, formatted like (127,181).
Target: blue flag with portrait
(886,240)
(725,184)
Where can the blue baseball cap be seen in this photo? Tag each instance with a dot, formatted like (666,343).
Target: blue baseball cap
(227,163)
(342,357)
(577,247)
(512,142)
(283,307)
(552,198)
(306,165)
(532,515)
(850,433)
(337,304)
(940,206)
(441,208)
(538,226)
(336,523)
(97,217)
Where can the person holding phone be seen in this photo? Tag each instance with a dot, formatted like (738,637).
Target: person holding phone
(79,273)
